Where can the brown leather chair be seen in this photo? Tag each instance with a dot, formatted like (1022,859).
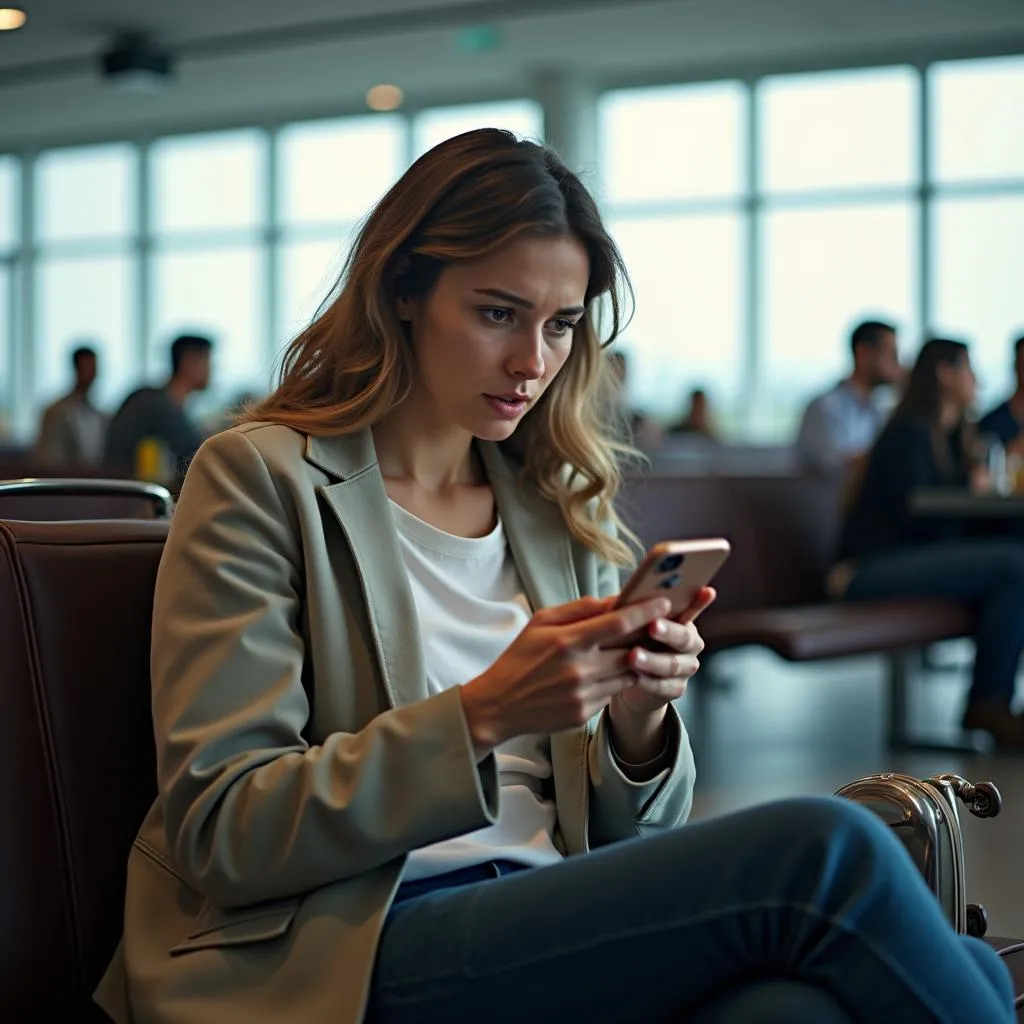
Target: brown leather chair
(32,498)
(77,769)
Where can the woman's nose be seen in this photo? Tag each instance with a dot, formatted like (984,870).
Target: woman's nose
(527,361)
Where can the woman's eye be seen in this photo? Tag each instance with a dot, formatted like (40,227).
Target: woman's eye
(561,327)
(497,315)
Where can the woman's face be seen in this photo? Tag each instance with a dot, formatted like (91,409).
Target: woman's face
(958,383)
(493,333)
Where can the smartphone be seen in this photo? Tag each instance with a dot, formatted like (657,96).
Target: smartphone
(676,569)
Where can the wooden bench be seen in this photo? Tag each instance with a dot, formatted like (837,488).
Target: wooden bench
(771,591)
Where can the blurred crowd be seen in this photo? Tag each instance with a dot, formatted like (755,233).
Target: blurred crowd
(839,427)
(152,435)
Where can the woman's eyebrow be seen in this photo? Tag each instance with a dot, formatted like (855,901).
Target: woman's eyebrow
(518,300)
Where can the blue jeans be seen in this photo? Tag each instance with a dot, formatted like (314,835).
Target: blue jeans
(808,910)
(986,574)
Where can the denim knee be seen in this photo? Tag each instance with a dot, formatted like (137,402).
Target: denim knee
(832,819)
(991,964)
(854,843)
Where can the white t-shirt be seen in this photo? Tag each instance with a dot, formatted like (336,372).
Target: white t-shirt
(470,605)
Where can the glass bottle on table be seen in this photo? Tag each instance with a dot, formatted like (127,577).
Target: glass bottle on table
(991,469)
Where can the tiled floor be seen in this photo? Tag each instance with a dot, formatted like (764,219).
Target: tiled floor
(779,730)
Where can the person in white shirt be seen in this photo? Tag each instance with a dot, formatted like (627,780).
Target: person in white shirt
(840,426)
(415,762)
(72,431)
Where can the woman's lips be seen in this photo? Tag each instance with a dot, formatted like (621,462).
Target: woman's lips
(507,406)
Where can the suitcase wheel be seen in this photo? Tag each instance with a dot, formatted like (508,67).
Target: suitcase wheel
(986,801)
(977,920)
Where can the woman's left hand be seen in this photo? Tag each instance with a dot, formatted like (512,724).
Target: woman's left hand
(662,675)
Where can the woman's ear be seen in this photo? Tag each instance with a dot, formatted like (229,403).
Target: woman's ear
(405,309)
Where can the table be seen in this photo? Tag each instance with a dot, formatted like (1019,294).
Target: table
(953,503)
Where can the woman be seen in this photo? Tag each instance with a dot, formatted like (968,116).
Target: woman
(394,710)
(893,553)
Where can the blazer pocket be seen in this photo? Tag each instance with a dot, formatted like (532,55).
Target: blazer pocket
(217,928)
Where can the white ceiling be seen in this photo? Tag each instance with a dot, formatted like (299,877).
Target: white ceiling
(245,60)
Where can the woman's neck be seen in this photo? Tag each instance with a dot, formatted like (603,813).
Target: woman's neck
(434,460)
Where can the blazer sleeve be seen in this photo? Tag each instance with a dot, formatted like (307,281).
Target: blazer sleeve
(620,808)
(252,810)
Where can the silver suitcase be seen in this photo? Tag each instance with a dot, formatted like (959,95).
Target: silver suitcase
(925,817)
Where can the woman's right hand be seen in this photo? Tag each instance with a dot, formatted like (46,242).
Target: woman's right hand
(564,667)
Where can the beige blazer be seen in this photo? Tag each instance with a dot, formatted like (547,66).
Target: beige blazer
(299,757)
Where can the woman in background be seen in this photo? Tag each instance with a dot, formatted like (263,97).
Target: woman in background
(889,552)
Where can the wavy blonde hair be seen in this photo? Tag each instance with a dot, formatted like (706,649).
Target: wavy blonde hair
(461,201)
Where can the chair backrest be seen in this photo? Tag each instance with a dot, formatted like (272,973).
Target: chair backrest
(77,768)
(16,463)
(660,507)
(62,498)
(795,522)
(692,455)
(782,530)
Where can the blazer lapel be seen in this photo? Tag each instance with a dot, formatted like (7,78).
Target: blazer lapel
(536,534)
(540,543)
(360,505)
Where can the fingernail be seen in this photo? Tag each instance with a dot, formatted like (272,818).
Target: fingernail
(640,658)
(660,627)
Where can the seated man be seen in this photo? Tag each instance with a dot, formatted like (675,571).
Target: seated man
(158,414)
(698,418)
(840,426)
(73,431)
(1006,421)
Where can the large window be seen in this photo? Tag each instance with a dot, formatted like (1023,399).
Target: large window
(9,177)
(208,214)
(675,143)
(86,194)
(84,279)
(751,268)
(760,220)
(206,183)
(687,276)
(978,282)
(85,300)
(331,174)
(523,117)
(976,120)
(837,226)
(823,269)
(977,217)
(672,163)
(308,270)
(6,368)
(838,130)
(213,292)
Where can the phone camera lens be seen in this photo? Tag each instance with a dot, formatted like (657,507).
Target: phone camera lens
(670,563)
(670,581)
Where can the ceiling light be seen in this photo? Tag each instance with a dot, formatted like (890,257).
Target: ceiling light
(12,18)
(384,97)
